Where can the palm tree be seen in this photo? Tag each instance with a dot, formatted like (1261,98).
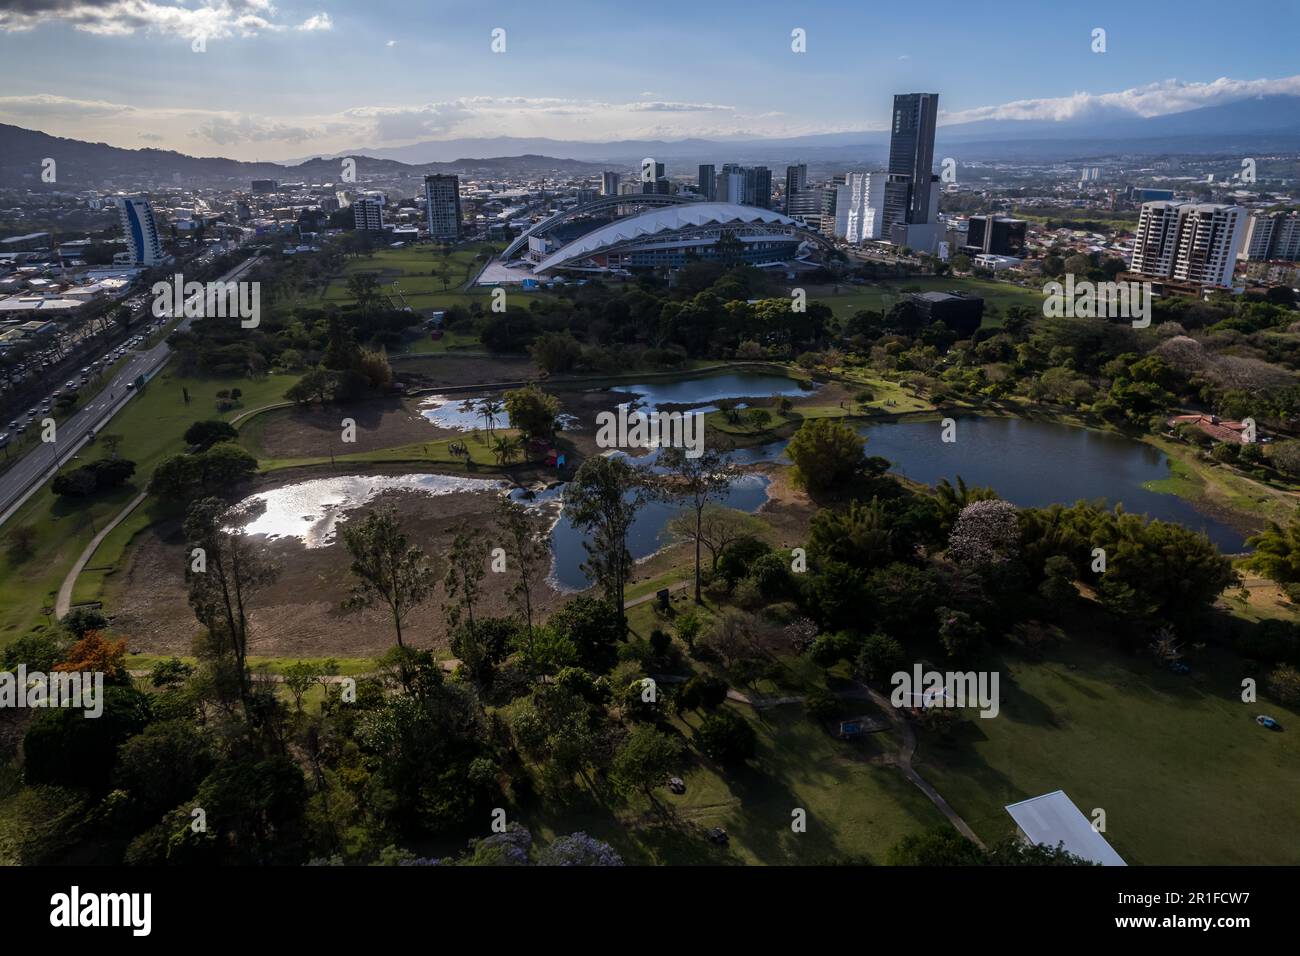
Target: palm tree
(505,447)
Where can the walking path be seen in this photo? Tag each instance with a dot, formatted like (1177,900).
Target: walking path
(63,603)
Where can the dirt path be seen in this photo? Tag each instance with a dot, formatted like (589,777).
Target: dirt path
(63,603)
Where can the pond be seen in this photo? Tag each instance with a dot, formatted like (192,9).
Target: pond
(311,510)
(648,532)
(1034,464)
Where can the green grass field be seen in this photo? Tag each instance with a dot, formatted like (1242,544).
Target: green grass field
(419,272)
(1184,774)
(152,427)
(845,299)
(854,807)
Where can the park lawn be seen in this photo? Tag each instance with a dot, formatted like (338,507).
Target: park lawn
(1193,478)
(152,426)
(420,453)
(1184,774)
(883,294)
(450,342)
(854,807)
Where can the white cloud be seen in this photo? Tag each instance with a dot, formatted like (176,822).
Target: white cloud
(213,19)
(391,43)
(320,21)
(1154,99)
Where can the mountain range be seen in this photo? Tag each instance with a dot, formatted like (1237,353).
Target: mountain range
(1245,127)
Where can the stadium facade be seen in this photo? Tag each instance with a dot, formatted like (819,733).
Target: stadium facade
(674,235)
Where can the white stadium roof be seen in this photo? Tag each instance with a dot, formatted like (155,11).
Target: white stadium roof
(666,219)
(1053,818)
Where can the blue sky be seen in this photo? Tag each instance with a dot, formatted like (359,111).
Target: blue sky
(280,79)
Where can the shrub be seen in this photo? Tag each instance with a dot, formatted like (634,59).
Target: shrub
(726,737)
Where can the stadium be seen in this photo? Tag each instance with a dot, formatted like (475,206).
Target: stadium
(670,236)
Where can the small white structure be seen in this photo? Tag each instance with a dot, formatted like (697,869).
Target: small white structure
(1053,818)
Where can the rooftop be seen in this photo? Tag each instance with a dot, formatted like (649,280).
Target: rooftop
(1054,819)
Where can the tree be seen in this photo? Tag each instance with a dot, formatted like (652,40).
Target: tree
(593,628)
(64,746)
(524,538)
(716,528)
(231,573)
(578,849)
(532,411)
(860,536)
(726,737)
(827,454)
(387,566)
(205,434)
(938,846)
(878,657)
(94,653)
(986,532)
(556,351)
(466,565)
(364,288)
(644,761)
(697,481)
(603,499)
(504,448)
(1277,552)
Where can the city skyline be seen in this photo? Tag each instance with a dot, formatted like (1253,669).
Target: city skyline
(268,84)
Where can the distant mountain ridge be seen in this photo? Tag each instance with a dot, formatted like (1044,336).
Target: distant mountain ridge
(1269,120)
(78,163)
(1259,123)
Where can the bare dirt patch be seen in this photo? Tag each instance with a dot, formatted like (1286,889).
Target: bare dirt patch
(301,614)
(315,432)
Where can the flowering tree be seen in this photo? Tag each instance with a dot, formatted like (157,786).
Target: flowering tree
(986,532)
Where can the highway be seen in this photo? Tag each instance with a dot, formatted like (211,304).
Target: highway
(42,462)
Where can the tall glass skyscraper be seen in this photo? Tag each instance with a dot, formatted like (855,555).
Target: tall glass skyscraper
(911,154)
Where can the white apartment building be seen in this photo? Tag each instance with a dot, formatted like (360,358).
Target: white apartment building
(860,207)
(1189,242)
(141,231)
(1272,236)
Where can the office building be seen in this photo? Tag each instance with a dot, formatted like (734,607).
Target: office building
(996,236)
(911,157)
(796,179)
(959,311)
(1272,236)
(860,207)
(655,182)
(1191,243)
(586,195)
(368,214)
(442,200)
(815,207)
(706,182)
(730,184)
(758,187)
(609,183)
(265,186)
(141,231)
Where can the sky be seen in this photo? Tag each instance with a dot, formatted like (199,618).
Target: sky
(257,79)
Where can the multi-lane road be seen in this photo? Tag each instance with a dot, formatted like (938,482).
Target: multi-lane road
(41,463)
